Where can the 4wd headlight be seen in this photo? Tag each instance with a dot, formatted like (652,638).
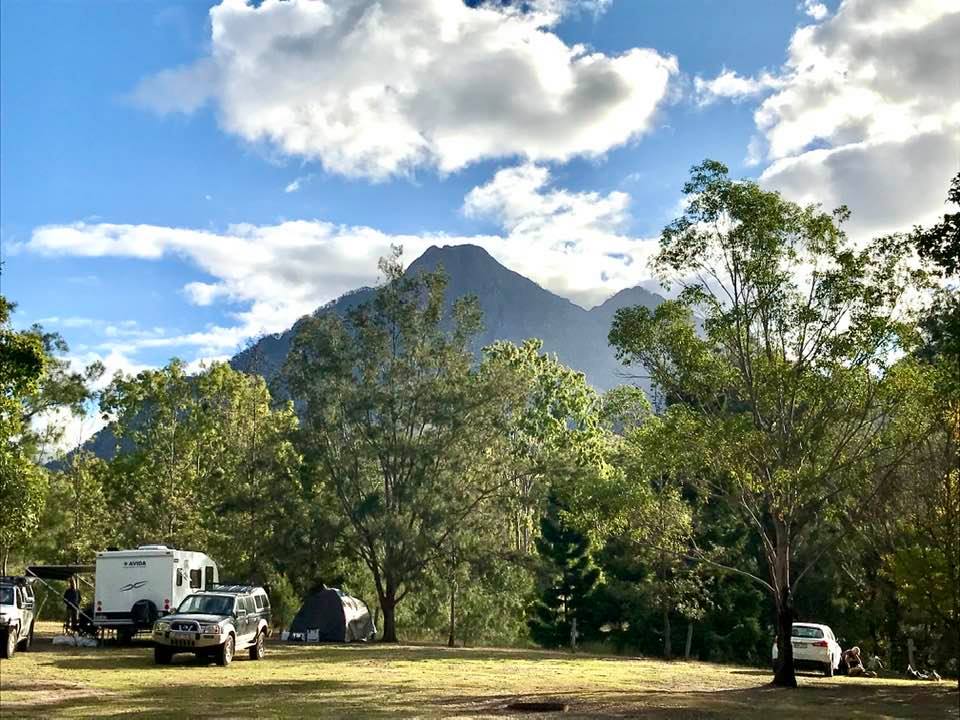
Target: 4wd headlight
(161,627)
(211,629)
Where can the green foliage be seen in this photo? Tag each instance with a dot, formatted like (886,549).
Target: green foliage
(786,391)
(940,243)
(210,464)
(399,425)
(568,580)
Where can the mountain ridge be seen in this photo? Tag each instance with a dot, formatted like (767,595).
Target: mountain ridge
(515,308)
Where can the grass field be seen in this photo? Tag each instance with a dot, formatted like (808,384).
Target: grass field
(379,681)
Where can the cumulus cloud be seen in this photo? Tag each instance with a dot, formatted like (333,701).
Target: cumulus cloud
(816,10)
(728,85)
(573,243)
(380,88)
(866,112)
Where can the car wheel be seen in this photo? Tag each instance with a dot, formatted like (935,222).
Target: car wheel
(259,647)
(828,668)
(124,636)
(9,643)
(162,655)
(225,656)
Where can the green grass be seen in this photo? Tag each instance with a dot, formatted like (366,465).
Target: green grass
(378,681)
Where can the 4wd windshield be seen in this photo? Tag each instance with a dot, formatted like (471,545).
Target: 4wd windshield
(804,631)
(207,604)
(6,595)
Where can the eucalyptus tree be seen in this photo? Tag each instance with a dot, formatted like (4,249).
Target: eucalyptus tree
(205,461)
(36,383)
(785,391)
(399,425)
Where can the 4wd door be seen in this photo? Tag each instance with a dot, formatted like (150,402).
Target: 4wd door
(246,620)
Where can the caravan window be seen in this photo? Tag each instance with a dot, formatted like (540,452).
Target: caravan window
(195,581)
(179,577)
(208,576)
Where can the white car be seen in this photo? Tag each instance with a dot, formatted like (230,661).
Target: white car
(16,615)
(814,646)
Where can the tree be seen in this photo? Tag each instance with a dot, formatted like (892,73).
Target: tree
(35,383)
(208,462)
(785,393)
(568,582)
(940,243)
(398,425)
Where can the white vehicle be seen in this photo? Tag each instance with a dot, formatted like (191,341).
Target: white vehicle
(133,588)
(814,646)
(16,615)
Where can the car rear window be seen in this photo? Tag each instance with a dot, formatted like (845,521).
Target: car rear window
(803,631)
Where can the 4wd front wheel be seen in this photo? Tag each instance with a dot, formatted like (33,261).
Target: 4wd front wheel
(162,655)
(225,655)
(259,647)
(8,642)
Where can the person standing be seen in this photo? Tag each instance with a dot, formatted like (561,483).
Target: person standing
(71,598)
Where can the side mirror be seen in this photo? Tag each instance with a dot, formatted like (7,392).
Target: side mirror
(241,613)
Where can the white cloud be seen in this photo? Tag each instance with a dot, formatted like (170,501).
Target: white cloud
(380,88)
(573,243)
(297,183)
(816,10)
(729,85)
(866,112)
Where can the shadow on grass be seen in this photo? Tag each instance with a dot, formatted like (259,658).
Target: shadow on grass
(826,703)
(313,698)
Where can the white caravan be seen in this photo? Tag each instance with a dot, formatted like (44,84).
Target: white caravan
(135,587)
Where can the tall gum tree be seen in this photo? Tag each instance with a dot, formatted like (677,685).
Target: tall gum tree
(784,389)
(399,425)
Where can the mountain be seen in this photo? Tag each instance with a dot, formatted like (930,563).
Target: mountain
(514,308)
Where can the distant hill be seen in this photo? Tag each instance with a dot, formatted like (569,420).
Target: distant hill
(514,308)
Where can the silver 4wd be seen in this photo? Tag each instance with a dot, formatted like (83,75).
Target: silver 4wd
(16,615)
(215,624)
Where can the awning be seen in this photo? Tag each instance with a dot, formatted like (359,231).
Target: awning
(58,572)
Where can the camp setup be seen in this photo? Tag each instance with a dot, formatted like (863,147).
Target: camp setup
(330,615)
(84,632)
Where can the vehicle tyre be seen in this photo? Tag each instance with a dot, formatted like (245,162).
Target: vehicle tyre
(828,668)
(25,644)
(225,654)
(8,643)
(162,655)
(259,647)
(125,636)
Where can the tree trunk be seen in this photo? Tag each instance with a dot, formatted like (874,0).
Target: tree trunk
(388,603)
(667,644)
(452,638)
(6,554)
(785,675)
(686,650)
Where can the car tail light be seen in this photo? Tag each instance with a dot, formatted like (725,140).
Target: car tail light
(99,606)
(821,643)
(166,605)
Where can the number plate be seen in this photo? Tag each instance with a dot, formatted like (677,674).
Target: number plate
(179,635)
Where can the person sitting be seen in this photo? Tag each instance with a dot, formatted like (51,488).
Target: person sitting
(71,598)
(854,664)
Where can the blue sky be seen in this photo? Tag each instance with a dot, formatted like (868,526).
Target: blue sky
(174,181)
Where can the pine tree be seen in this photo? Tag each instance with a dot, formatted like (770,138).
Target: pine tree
(569,579)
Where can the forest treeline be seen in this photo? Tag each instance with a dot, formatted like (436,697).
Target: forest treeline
(798,460)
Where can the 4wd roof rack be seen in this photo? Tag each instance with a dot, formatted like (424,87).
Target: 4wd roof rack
(20,580)
(232,588)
